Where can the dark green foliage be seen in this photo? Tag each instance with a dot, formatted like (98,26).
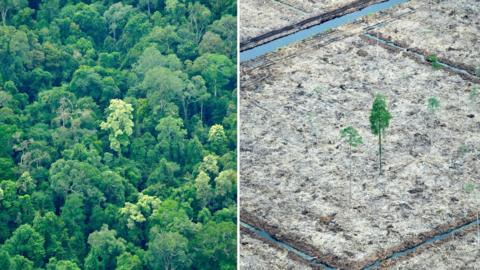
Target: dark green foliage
(76,196)
(168,251)
(215,242)
(25,241)
(379,121)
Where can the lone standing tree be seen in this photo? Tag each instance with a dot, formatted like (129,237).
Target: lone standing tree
(353,139)
(379,121)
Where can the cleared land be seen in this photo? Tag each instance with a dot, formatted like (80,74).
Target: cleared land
(461,252)
(448,29)
(295,168)
(264,20)
(262,16)
(256,254)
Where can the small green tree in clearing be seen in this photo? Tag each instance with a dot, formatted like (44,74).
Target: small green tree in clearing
(473,97)
(351,136)
(433,59)
(469,188)
(379,121)
(433,104)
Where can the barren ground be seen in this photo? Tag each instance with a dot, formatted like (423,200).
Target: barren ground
(461,252)
(256,254)
(295,167)
(259,17)
(449,29)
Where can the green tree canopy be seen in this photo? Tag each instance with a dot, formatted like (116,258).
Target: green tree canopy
(119,123)
(379,121)
(168,250)
(26,242)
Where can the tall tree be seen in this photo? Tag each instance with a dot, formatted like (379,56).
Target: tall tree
(171,137)
(351,136)
(199,17)
(217,139)
(119,123)
(216,69)
(379,121)
(117,16)
(168,251)
(128,261)
(203,188)
(104,249)
(7,5)
(162,86)
(26,242)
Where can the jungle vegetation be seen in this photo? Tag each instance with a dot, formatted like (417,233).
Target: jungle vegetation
(117,134)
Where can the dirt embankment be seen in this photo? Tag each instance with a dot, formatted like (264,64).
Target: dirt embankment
(257,254)
(448,29)
(264,21)
(461,251)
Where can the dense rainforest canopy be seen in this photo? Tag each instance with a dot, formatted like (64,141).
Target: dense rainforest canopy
(117,134)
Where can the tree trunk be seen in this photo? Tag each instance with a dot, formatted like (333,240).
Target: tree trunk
(4,16)
(380,151)
(185,110)
(351,176)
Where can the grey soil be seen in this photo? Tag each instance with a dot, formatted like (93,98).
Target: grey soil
(265,20)
(255,254)
(459,252)
(448,29)
(295,167)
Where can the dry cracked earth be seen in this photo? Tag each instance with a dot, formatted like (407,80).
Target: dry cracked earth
(296,170)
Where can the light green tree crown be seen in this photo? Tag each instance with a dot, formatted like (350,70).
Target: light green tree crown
(119,123)
(350,134)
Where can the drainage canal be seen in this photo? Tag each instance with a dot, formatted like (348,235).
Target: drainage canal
(314,30)
(450,233)
(375,265)
(265,236)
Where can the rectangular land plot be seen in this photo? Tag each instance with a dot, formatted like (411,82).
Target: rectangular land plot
(295,168)
(264,20)
(448,29)
(262,16)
